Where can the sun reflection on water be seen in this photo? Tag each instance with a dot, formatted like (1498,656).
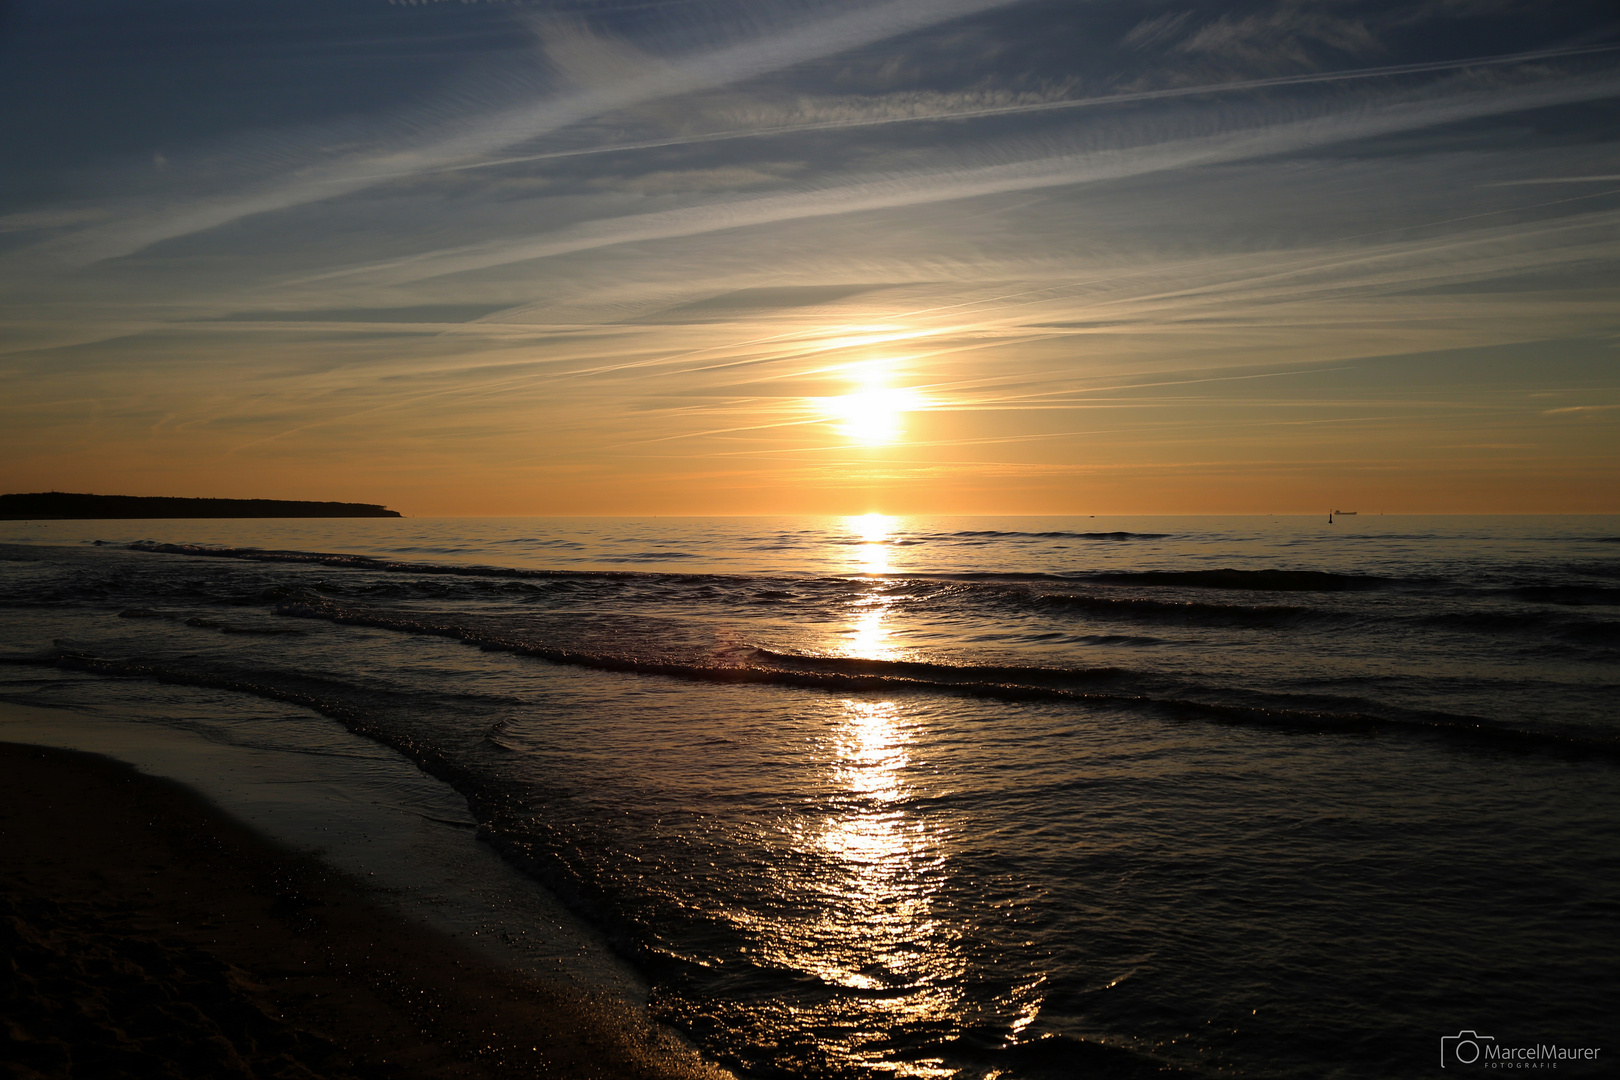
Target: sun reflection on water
(869,636)
(869,633)
(876,936)
(873,531)
(862,903)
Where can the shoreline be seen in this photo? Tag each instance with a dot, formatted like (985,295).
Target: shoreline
(154,935)
(317,789)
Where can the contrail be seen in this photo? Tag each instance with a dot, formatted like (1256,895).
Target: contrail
(1049,106)
(910,190)
(666,77)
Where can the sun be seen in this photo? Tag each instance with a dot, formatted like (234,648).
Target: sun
(873,528)
(871,415)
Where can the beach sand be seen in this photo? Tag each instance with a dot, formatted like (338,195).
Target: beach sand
(147,934)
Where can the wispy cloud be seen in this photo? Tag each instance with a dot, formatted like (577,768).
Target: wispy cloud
(479,136)
(1285,35)
(644,262)
(1568,409)
(1608,178)
(962,183)
(806,115)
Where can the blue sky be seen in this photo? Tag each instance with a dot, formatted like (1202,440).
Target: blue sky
(680,257)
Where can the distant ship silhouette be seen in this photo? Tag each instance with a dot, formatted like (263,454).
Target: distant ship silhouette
(1339,513)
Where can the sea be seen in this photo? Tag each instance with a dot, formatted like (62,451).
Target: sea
(974,797)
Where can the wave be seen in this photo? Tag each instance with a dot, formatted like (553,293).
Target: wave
(542,541)
(1597,631)
(1253,580)
(1065,1056)
(1464,730)
(201,623)
(937,674)
(761,665)
(1169,611)
(1111,687)
(368,562)
(1050,594)
(313,697)
(992,534)
(1521,623)
(1566,595)
(1225,578)
(649,556)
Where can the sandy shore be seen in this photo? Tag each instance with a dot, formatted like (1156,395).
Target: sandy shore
(149,935)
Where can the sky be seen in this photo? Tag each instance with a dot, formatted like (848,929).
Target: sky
(817,256)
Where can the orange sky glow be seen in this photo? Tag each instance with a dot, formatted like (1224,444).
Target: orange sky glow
(654,276)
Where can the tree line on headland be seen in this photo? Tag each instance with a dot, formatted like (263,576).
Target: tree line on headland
(62,504)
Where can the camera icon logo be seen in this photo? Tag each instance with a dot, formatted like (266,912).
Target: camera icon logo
(1462,1048)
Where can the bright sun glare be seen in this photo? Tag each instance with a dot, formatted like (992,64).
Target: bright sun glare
(872,528)
(870,415)
(873,531)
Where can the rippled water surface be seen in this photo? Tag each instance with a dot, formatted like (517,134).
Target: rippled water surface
(961,796)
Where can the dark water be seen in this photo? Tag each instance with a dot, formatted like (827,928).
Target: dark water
(964,796)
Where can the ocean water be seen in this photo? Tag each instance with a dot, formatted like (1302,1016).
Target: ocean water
(958,797)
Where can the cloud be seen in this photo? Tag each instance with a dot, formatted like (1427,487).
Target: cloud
(811,114)
(922,187)
(633,84)
(1285,36)
(1610,178)
(638,78)
(724,178)
(1158,30)
(52,219)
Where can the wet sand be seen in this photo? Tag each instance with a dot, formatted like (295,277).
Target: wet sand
(150,935)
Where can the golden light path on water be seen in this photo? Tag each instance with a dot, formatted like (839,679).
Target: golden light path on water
(882,932)
(869,632)
(878,932)
(865,915)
